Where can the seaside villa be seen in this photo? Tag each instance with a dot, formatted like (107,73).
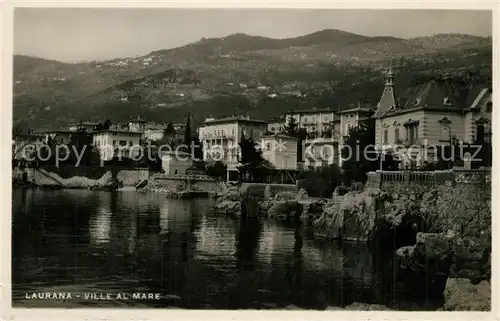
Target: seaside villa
(429,114)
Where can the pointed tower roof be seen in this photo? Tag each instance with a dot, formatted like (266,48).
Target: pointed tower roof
(388,100)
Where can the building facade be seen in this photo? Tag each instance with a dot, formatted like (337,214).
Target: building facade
(117,143)
(176,163)
(86,125)
(25,144)
(58,137)
(220,137)
(137,125)
(314,120)
(321,151)
(280,150)
(276,125)
(431,114)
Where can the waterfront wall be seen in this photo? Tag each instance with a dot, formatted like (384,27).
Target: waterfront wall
(175,182)
(421,181)
(263,190)
(80,177)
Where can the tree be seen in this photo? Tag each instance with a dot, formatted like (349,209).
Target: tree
(252,162)
(291,127)
(169,130)
(322,181)
(359,154)
(217,170)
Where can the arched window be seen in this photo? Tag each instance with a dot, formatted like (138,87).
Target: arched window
(386,136)
(396,135)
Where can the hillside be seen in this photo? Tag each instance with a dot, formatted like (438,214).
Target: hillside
(237,73)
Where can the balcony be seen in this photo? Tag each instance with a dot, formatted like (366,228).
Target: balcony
(220,136)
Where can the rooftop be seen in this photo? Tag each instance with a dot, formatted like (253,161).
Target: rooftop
(281,136)
(435,92)
(232,119)
(118,132)
(311,111)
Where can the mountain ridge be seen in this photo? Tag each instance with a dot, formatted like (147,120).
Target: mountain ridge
(255,72)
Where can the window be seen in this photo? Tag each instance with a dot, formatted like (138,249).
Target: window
(386,136)
(233,131)
(130,143)
(444,132)
(480,133)
(114,142)
(396,135)
(268,146)
(123,143)
(412,132)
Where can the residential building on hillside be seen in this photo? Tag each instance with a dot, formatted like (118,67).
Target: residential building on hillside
(280,150)
(321,151)
(429,114)
(61,137)
(220,137)
(26,140)
(352,117)
(117,143)
(276,124)
(314,120)
(154,132)
(137,124)
(87,125)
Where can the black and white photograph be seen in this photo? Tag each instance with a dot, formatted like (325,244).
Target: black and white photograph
(251,159)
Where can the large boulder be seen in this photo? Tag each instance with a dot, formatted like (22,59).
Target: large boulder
(354,215)
(462,295)
(230,208)
(285,209)
(466,212)
(284,196)
(301,194)
(426,265)
(312,208)
(229,202)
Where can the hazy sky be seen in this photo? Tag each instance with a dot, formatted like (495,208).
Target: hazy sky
(94,34)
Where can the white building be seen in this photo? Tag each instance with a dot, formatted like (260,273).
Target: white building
(321,151)
(314,120)
(280,150)
(117,143)
(137,125)
(24,144)
(221,137)
(154,132)
(276,124)
(176,162)
(87,125)
(351,118)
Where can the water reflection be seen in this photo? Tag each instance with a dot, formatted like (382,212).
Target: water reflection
(145,242)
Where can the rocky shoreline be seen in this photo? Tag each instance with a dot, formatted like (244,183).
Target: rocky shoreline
(440,236)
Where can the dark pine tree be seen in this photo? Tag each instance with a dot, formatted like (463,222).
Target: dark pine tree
(359,154)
